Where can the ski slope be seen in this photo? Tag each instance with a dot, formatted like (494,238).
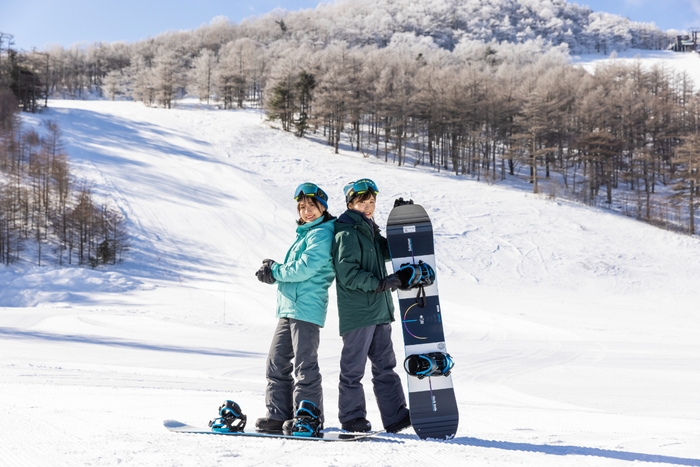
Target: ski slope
(574,331)
(672,62)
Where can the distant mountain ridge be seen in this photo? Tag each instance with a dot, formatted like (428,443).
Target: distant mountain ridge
(448,22)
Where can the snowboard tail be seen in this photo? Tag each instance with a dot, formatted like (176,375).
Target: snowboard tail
(434,413)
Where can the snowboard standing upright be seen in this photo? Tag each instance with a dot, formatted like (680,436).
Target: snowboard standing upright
(431,399)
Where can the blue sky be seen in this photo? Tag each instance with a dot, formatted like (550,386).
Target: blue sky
(38,23)
(667,14)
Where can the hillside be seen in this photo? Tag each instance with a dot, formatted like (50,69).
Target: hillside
(574,330)
(232,62)
(449,22)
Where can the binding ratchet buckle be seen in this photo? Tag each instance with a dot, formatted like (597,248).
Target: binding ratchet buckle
(430,364)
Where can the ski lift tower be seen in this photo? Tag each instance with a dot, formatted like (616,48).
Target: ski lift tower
(694,32)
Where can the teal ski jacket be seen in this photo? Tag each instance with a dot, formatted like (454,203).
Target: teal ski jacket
(306,274)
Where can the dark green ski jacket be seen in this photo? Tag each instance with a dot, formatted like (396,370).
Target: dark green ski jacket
(359,254)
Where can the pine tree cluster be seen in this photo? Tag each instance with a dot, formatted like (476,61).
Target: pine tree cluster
(44,211)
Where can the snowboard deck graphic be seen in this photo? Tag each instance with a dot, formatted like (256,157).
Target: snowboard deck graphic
(179,427)
(432,401)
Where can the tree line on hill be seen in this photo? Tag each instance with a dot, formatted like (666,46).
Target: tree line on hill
(157,69)
(483,92)
(43,208)
(623,135)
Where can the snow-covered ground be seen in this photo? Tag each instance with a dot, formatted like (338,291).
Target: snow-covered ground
(574,331)
(674,62)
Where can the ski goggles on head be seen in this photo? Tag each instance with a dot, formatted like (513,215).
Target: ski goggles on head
(360,187)
(312,190)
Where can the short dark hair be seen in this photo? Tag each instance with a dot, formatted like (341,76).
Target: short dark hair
(363,197)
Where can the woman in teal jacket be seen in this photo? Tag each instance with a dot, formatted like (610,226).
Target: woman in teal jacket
(294,397)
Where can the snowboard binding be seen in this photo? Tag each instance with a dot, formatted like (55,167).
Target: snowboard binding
(231,418)
(430,364)
(402,202)
(416,275)
(307,420)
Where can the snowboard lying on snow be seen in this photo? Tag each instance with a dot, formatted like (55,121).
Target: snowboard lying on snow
(179,427)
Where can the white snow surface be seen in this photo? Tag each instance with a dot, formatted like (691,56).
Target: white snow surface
(672,62)
(574,331)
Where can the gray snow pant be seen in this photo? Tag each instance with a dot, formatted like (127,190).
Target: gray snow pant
(373,342)
(292,371)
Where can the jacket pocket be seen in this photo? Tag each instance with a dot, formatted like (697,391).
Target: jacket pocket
(373,298)
(289,291)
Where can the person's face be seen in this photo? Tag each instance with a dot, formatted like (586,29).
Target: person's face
(366,207)
(308,211)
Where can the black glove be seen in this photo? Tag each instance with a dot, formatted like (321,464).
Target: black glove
(406,274)
(419,274)
(401,202)
(390,282)
(264,274)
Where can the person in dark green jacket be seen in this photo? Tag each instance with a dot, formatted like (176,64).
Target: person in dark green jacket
(366,311)
(303,280)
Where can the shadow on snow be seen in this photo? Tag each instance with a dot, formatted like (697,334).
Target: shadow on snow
(576,451)
(17,334)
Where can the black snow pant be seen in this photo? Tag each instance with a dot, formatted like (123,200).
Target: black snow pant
(292,371)
(373,342)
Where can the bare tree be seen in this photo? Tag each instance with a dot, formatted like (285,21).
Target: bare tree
(203,76)
(234,77)
(167,76)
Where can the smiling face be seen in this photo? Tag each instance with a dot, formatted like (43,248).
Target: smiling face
(308,210)
(364,204)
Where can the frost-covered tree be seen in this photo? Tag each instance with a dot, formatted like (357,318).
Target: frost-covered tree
(112,84)
(167,76)
(339,94)
(142,80)
(235,74)
(451,25)
(687,163)
(202,82)
(281,91)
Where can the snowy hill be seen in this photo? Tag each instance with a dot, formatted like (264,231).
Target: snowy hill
(448,22)
(574,331)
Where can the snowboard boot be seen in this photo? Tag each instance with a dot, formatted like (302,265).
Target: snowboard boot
(402,424)
(268,425)
(307,420)
(288,427)
(357,425)
(231,419)
(430,364)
